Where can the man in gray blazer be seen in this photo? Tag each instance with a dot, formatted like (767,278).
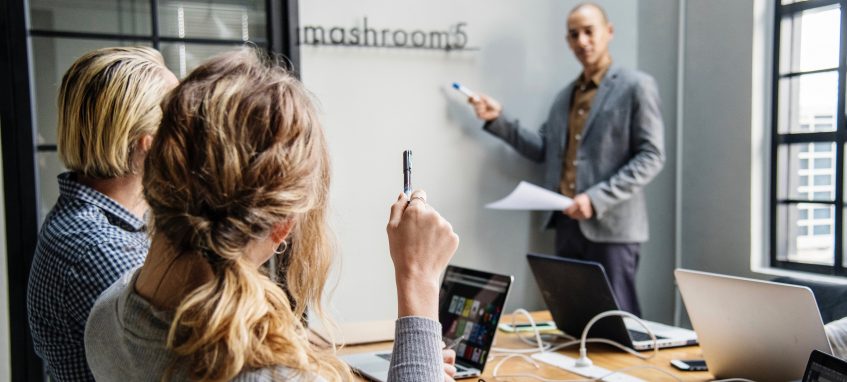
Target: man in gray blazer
(601,144)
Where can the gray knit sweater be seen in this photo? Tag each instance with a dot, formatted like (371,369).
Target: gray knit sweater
(125,341)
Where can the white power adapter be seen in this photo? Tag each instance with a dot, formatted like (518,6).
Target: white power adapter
(590,371)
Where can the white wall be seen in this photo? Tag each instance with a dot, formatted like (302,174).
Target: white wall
(377,102)
(657,55)
(717,136)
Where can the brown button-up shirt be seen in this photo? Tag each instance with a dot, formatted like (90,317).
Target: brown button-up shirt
(583,95)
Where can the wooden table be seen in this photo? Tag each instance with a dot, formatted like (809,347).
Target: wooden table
(602,355)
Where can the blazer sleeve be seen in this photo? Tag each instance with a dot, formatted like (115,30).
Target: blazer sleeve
(530,144)
(647,140)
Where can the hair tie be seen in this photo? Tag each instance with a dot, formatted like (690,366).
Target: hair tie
(212,257)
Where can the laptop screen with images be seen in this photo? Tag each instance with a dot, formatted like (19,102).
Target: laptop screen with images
(470,305)
(825,368)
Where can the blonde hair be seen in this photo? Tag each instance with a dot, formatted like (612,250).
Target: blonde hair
(109,98)
(239,150)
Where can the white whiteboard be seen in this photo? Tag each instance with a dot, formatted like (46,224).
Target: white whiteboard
(376,102)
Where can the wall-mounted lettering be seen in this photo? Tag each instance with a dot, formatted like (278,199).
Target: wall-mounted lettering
(455,37)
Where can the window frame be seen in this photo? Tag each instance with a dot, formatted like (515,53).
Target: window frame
(778,140)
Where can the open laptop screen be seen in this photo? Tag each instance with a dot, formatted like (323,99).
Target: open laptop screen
(823,367)
(471,303)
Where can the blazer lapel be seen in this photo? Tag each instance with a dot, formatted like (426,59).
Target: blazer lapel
(606,86)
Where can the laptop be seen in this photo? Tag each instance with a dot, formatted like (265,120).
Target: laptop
(752,329)
(823,367)
(575,291)
(470,304)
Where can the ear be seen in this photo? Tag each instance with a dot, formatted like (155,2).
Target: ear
(611,31)
(145,142)
(280,231)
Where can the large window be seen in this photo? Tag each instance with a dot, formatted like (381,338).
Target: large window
(808,137)
(39,39)
(186,34)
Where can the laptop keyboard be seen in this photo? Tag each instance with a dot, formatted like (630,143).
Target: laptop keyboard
(641,336)
(387,357)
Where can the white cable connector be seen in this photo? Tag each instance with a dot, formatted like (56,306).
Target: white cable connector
(584,361)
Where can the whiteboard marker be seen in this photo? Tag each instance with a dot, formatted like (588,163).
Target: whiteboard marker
(468,92)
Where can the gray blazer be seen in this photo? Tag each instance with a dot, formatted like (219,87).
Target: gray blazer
(622,150)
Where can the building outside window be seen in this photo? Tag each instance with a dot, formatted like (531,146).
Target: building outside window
(808,137)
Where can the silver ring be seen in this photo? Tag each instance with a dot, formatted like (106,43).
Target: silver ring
(418,197)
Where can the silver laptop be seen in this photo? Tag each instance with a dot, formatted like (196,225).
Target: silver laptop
(752,329)
(470,305)
(575,291)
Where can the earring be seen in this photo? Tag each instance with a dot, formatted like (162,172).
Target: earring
(282,248)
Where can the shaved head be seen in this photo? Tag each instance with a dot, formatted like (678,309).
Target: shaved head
(589,34)
(592,6)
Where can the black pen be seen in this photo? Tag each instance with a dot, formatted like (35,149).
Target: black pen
(407,173)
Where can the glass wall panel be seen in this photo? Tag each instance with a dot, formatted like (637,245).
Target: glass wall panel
(51,57)
(49,167)
(98,16)
(228,20)
(181,58)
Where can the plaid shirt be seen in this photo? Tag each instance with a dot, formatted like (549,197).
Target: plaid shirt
(86,242)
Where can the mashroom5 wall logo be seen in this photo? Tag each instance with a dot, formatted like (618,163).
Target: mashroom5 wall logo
(453,37)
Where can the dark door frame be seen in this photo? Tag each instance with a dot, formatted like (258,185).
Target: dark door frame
(20,187)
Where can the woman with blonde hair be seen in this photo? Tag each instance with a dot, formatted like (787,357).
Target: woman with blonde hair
(239,171)
(108,112)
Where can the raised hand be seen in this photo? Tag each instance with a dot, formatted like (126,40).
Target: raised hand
(421,243)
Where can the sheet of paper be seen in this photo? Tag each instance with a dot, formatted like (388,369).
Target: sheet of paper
(527,196)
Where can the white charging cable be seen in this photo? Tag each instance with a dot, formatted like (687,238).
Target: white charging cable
(584,361)
(540,345)
(496,373)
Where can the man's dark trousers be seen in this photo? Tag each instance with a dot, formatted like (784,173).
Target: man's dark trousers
(620,260)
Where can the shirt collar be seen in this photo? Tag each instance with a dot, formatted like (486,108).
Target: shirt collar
(71,188)
(597,77)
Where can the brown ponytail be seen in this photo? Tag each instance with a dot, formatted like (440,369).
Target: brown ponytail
(240,150)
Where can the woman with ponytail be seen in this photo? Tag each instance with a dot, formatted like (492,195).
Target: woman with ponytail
(238,172)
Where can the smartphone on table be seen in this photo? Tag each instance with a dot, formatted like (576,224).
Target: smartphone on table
(689,364)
